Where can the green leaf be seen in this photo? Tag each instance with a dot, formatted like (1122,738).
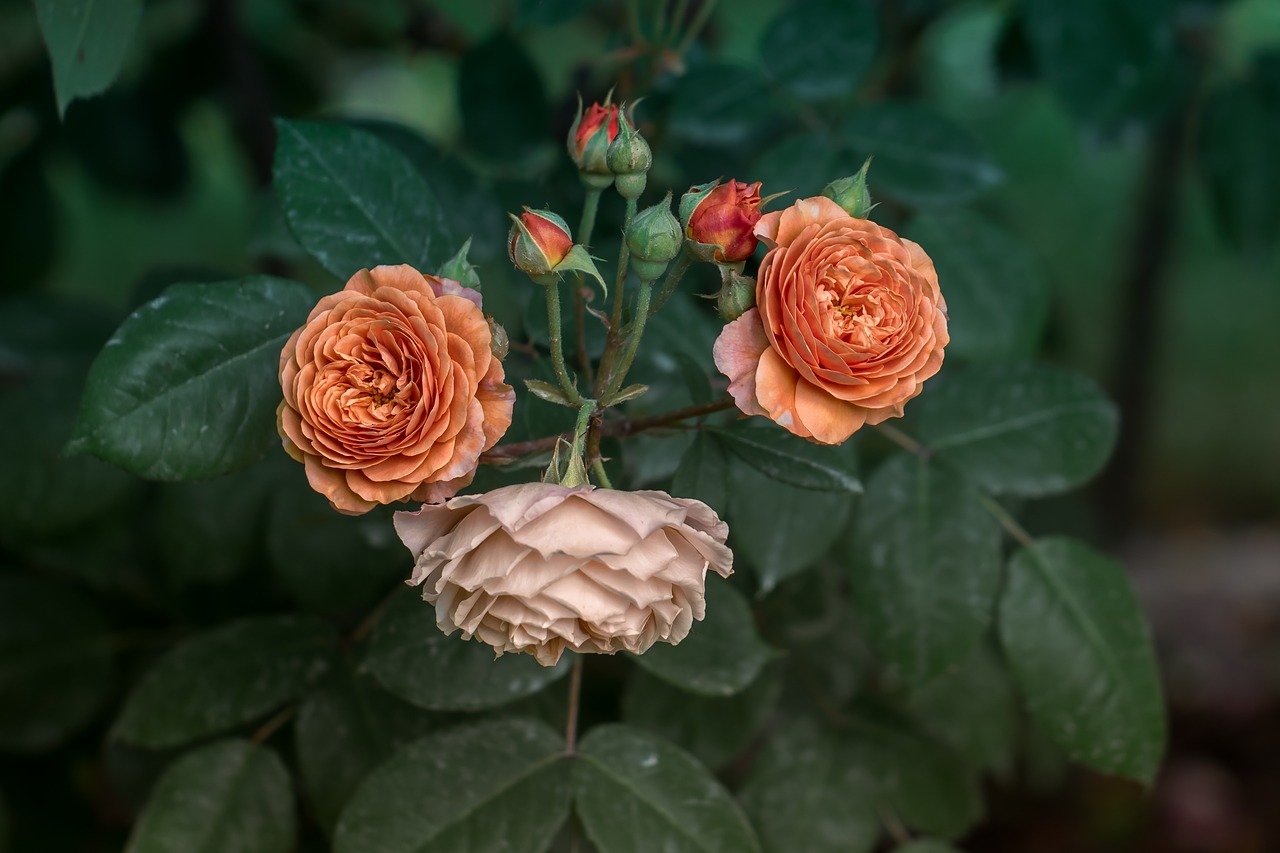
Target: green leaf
(345,728)
(1108,61)
(354,202)
(636,793)
(974,710)
(714,729)
(959,51)
(997,298)
(416,661)
(922,158)
(719,104)
(820,49)
(790,459)
(781,530)
(1021,429)
(722,654)
(87,42)
(1081,654)
(702,473)
(225,678)
(503,101)
(496,785)
(809,790)
(186,388)
(55,663)
(232,796)
(926,567)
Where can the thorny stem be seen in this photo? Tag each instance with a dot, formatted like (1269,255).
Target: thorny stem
(585,228)
(669,284)
(633,338)
(505,452)
(575,693)
(619,297)
(557,345)
(580,428)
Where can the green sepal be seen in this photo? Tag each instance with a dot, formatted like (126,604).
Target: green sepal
(579,260)
(460,269)
(547,391)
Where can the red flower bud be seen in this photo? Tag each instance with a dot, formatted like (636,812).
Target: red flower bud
(539,241)
(726,217)
(590,136)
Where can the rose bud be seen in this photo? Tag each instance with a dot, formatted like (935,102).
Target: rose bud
(629,158)
(653,238)
(538,242)
(588,142)
(719,220)
(851,193)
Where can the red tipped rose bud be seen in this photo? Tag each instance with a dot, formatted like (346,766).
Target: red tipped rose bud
(721,218)
(539,241)
(589,139)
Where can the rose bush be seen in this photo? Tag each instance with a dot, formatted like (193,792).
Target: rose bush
(849,323)
(541,568)
(391,390)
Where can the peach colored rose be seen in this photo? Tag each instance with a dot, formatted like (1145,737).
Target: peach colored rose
(541,568)
(849,323)
(391,391)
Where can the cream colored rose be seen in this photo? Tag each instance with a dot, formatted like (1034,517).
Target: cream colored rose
(541,568)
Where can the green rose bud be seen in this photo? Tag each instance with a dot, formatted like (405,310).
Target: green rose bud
(629,158)
(654,238)
(851,193)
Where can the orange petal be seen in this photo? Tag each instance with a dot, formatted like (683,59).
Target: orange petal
(737,354)
(828,420)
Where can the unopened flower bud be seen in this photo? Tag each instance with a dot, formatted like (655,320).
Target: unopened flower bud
(737,294)
(851,193)
(499,342)
(538,242)
(589,140)
(653,238)
(720,220)
(629,159)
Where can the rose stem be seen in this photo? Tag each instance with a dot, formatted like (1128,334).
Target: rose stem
(505,452)
(580,428)
(575,692)
(585,228)
(557,346)
(1007,521)
(633,340)
(619,293)
(673,278)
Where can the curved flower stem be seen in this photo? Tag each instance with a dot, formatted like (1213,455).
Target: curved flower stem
(633,339)
(619,298)
(557,346)
(683,262)
(575,695)
(904,441)
(585,229)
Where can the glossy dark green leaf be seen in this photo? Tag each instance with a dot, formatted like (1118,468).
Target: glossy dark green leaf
(809,790)
(1081,654)
(232,796)
(345,728)
(703,473)
(416,661)
(1238,137)
(790,459)
(719,104)
(88,41)
(722,654)
(497,785)
(925,569)
(503,101)
(973,709)
(225,678)
(354,202)
(1107,60)
(1021,429)
(922,158)
(637,793)
(187,387)
(782,530)
(997,298)
(714,729)
(55,662)
(819,49)
(958,55)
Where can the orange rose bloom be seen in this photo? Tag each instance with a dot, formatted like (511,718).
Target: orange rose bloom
(849,323)
(391,390)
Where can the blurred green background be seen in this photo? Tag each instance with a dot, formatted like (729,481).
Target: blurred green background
(1111,164)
